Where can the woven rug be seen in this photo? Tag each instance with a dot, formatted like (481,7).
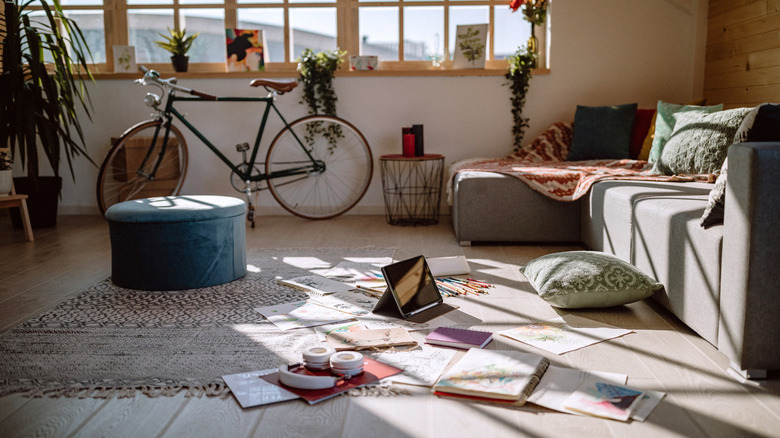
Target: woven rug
(108,341)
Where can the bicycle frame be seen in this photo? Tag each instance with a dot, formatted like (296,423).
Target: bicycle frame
(170,112)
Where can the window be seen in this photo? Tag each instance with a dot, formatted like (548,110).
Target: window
(405,34)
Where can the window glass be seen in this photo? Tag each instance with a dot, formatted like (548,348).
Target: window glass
(200,2)
(209,46)
(312,28)
(78,2)
(379,32)
(149,2)
(460,15)
(144,27)
(272,22)
(93,29)
(511,31)
(423,32)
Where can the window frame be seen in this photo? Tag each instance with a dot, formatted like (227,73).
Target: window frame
(115,20)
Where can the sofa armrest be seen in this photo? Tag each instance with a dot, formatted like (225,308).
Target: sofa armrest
(749,329)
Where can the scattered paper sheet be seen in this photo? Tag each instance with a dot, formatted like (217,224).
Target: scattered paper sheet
(422,366)
(250,390)
(444,266)
(301,314)
(562,335)
(353,302)
(316,284)
(558,383)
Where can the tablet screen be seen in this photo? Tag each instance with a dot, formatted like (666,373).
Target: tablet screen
(412,284)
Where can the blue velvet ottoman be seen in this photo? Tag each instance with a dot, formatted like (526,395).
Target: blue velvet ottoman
(177,242)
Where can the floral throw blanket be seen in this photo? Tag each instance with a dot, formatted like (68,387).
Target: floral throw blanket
(564,180)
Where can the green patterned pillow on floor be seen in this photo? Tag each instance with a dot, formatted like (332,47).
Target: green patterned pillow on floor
(581,279)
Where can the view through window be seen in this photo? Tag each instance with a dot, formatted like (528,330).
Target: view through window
(397,31)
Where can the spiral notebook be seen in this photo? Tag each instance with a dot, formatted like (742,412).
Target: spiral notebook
(493,374)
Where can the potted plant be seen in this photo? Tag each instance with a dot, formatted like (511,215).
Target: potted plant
(6,174)
(42,85)
(316,72)
(178,43)
(521,66)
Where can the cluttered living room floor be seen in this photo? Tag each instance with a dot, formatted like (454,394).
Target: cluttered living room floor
(651,352)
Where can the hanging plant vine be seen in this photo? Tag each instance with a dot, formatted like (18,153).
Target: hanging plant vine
(521,65)
(316,71)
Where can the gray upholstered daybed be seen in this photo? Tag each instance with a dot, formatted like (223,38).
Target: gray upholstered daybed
(721,281)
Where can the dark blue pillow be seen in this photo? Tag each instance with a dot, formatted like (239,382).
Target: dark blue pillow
(602,132)
(766,126)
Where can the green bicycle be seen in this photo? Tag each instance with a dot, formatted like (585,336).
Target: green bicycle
(316,167)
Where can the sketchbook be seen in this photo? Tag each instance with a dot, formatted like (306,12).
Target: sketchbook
(370,339)
(458,338)
(494,374)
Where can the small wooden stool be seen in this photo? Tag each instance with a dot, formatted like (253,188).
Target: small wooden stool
(14,200)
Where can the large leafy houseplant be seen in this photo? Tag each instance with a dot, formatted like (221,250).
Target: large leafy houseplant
(42,85)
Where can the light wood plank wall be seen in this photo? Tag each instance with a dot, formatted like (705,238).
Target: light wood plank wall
(742,64)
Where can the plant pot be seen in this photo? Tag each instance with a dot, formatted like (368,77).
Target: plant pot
(180,62)
(42,202)
(6,182)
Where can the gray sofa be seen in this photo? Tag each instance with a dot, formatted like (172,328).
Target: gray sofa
(723,282)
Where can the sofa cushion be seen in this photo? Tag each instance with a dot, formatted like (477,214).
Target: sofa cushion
(699,142)
(551,145)
(642,121)
(669,245)
(583,279)
(766,126)
(602,132)
(491,207)
(664,124)
(608,211)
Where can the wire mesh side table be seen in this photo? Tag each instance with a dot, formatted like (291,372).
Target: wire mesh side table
(412,188)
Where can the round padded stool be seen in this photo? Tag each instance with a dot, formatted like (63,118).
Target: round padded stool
(177,242)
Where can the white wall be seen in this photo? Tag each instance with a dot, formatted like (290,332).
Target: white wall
(603,52)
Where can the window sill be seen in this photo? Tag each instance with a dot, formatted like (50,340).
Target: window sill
(195,74)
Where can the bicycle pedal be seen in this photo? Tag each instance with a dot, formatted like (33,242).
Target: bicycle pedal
(241,147)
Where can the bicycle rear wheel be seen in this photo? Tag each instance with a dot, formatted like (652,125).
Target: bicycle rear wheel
(119,179)
(345,160)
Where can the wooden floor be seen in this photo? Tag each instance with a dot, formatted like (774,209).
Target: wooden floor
(702,400)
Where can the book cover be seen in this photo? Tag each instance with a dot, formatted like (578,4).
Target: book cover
(367,339)
(495,374)
(316,284)
(246,49)
(606,400)
(458,338)
(373,371)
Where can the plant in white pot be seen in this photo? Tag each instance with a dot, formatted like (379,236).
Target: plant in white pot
(42,89)
(178,43)
(6,174)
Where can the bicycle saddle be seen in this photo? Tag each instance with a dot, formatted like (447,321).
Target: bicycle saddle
(280,87)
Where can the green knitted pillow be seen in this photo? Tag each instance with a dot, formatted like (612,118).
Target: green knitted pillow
(581,279)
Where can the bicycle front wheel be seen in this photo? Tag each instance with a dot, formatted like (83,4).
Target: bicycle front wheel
(122,176)
(344,166)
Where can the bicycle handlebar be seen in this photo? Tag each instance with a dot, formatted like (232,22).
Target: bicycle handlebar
(153,76)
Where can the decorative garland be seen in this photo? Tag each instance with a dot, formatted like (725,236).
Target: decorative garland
(316,72)
(521,65)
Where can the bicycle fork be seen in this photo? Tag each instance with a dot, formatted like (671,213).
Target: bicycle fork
(250,212)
